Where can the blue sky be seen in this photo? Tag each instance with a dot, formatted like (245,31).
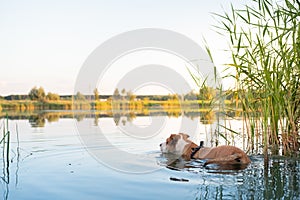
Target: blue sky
(44,43)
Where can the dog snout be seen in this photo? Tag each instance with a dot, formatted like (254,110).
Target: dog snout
(163,147)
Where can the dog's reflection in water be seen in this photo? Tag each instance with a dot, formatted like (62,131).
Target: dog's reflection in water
(175,162)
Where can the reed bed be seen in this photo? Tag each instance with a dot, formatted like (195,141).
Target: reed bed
(264,41)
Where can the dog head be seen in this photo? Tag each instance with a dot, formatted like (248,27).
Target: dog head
(176,144)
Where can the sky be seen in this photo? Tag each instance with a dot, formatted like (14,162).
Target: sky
(45,43)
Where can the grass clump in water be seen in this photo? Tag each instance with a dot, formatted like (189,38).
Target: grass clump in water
(264,41)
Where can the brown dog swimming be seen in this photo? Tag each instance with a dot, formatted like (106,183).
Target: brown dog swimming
(222,155)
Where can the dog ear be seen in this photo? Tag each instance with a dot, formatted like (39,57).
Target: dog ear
(185,136)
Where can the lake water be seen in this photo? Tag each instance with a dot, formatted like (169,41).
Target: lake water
(103,157)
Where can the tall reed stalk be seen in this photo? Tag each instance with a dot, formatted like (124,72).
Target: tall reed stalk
(264,41)
(5,154)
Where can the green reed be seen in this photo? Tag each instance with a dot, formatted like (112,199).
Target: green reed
(264,41)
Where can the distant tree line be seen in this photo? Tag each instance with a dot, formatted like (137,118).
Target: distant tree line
(39,94)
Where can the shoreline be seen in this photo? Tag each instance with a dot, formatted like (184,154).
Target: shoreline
(139,104)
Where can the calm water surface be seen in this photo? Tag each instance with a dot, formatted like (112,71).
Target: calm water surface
(55,160)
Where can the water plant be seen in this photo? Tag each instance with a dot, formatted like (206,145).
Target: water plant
(264,43)
(5,150)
